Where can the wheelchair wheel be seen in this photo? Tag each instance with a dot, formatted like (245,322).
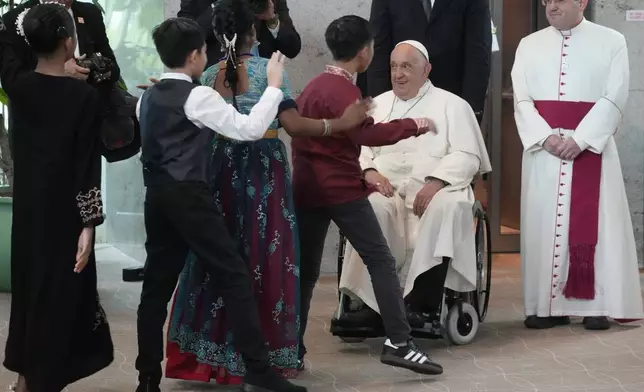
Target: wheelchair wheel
(461,331)
(353,340)
(483,265)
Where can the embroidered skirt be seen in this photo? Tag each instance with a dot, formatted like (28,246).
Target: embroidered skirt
(253,189)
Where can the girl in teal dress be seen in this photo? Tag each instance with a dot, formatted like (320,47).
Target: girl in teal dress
(252,182)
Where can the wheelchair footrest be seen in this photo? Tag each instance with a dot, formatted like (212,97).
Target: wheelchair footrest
(431,331)
(355,332)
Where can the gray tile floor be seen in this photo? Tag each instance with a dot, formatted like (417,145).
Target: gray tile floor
(505,357)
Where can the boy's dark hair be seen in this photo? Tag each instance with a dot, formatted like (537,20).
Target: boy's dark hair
(175,39)
(45,26)
(348,35)
(233,18)
(259,6)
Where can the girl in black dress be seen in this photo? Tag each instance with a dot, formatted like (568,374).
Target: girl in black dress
(58,332)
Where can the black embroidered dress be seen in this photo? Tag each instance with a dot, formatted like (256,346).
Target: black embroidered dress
(58,332)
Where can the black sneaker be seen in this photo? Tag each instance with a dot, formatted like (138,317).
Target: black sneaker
(409,357)
(269,382)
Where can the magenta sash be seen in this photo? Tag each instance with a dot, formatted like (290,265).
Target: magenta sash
(584,199)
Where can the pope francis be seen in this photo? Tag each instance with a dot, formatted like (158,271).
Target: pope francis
(422,192)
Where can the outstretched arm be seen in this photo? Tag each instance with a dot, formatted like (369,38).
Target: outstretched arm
(207,109)
(298,126)
(374,134)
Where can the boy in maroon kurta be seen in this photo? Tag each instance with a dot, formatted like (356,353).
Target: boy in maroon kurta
(328,185)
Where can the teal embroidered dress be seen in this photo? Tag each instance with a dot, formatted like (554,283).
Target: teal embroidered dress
(252,183)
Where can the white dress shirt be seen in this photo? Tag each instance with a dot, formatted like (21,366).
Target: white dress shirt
(207,109)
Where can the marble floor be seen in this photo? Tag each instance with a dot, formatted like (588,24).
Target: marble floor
(505,357)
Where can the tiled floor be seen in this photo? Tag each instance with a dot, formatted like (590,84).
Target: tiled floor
(505,357)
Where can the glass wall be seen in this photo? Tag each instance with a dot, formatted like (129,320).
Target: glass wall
(129,25)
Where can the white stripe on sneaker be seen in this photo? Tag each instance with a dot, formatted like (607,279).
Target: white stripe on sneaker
(423,359)
(409,355)
(391,345)
(417,357)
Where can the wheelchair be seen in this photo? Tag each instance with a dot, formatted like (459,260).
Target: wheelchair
(461,313)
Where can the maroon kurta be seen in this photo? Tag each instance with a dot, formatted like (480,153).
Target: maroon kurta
(326,170)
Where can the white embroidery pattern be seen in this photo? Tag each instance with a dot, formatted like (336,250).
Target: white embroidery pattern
(90,205)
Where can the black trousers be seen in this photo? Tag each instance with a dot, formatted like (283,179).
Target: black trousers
(427,294)
(178,218)
(358,223)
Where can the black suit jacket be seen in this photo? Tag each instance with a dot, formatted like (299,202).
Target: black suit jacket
(457,36)
(90,28)
(288,40)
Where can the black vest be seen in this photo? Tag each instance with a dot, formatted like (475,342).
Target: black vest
(173,149)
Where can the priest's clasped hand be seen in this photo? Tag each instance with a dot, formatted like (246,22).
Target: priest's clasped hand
(425,196)
(566,149)
(380,182)
(569,149)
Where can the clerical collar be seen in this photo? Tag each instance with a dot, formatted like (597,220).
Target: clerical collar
(333,70)
(568,33)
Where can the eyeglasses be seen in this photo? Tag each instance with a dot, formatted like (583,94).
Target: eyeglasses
(555,2)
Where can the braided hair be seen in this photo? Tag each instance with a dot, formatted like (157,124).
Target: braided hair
(233,22)
(45,26)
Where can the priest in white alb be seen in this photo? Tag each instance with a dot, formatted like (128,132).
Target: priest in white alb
(578,252)
(422,192)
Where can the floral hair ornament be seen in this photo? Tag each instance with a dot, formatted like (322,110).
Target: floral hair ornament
(20,20)
(19,24)
(230,47)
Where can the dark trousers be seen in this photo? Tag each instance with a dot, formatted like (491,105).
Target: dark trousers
(358,223)
(427,294)
(178,218)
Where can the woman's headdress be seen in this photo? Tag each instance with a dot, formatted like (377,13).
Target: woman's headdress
(230,48)
(20,20)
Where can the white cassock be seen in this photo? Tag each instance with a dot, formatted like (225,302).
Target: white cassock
(558,75)
(455,154)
